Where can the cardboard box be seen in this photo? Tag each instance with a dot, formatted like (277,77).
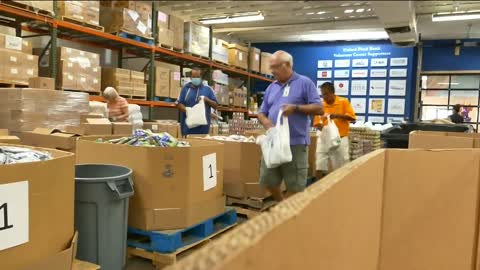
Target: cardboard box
(197,39)
(169,126)
(220,50)
(238,56)
(163,19)
(162,82)
(122,128)
(172,185)
(42,83)
(93,126)
(176,25)
(153,126)
(391,209)
(63,260)
(81,265)
(443,140)
(43,192)
(265,63)
(50,138)
(84,117)
(254,61)
(165,37)
(175,87)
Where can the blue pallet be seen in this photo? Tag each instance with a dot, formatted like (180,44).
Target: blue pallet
(135,37)
(170,241)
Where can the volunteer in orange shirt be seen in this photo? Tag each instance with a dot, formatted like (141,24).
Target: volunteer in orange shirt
(341,112)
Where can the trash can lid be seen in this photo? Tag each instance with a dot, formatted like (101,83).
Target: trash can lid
(101,172)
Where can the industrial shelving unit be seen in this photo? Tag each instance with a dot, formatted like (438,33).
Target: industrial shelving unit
(43,25)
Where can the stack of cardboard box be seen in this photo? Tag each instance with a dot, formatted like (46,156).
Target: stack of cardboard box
(170,31)
(238,56)
(41,5)
(18,63)
(133,17)
(240,97)
(26,109)
(167,80)
(222,93)
(254,62)
(39,200)
(220,50)
(197,39)
(138,81)
(5,137)
(77,69)
(83,11)
(265,63)
(118,78)
(42,83)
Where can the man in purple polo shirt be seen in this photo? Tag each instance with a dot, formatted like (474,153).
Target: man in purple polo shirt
(297,96)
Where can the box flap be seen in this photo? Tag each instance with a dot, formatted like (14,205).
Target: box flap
(97,121)
(64,135)
(121,124)
(45,131)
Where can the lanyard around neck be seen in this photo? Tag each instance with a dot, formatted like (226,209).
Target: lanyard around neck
(188,93)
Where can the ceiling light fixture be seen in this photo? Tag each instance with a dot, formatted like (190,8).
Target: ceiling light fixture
(348,10)
(360,10)
(234,19)
(310,13)
(346,35)
(321,12)
(456,16)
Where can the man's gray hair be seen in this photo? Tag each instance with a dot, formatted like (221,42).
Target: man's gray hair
(110,93)
(285,57)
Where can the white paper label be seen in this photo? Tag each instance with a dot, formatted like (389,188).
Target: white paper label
(154,127)
(14,71)
(30,57)
(13,59)
(149,22)
(209,171)
(95,81)
(69,64)
(95,69)
(142,27)
(162,17)
(176,76)
(14,214)
(240,56)
(257,57)
(286,91)
(70,77)
(133,14)
(83,79)
(30,72)
(13,43)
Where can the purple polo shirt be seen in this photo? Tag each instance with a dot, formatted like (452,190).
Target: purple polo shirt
(302,92)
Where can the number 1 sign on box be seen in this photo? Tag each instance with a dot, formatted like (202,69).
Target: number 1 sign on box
(13,214)
(209,171)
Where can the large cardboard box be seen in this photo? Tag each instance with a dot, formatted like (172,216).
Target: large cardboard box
(50,138)
(93,126)
(42,83)
(238,56)
(122,128)
(38,198)
(196,39)
(265,63)
(175,86)
(443,140)
(254,61)
(162,82)
(388,210)
(174,187)
(177,27)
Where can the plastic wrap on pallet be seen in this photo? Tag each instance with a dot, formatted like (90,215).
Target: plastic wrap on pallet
(197,39)
(219,77)
(83,11)
(117,19)
(220,50)
(38,5)
(26,109)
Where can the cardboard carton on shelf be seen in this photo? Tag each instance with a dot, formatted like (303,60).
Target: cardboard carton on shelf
(50,138)
(197,39)
(265,63)
(238,56)
(93,126)
(176,25)
(42,194)
(153,126)
(386,203)
(42,83)
(165,37)
(42,5)
(175,87)
(254,55)
(174,187)
(5,137)
(220,50)
(442,140)
(83,11)
(130,21)
(162,81)
(122,128)
(162,20)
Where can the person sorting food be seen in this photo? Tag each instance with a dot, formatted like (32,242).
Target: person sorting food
(117,106)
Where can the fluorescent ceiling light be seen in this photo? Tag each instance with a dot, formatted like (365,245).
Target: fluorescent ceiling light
(310,13)
(321,12)
(234,19)
(346,35)
(348,10)
(360,10)
(456,16)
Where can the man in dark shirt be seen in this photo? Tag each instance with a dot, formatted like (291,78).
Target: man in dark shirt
(456,117)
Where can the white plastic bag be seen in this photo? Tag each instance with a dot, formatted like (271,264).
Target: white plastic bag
(276,144)
(196,115)
(330,136)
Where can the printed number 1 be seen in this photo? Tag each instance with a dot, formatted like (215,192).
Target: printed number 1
(211,173)
(4,207)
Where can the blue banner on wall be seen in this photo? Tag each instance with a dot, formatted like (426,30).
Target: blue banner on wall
(377,77)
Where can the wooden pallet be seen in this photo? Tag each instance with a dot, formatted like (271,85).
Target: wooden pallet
(93,93)
(82,23)
(258,204)
(12,84)
(170,47)
(136,37)
(239,68)
(198,56)
(161,260)
(221,63)
(27,8)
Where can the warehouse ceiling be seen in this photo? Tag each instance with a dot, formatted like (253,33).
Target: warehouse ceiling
(293,20)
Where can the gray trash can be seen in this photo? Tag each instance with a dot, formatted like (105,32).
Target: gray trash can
(101,213)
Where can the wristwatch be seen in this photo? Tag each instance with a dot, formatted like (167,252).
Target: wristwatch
(297,108)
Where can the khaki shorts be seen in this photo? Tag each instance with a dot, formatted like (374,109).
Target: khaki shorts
(295,173)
